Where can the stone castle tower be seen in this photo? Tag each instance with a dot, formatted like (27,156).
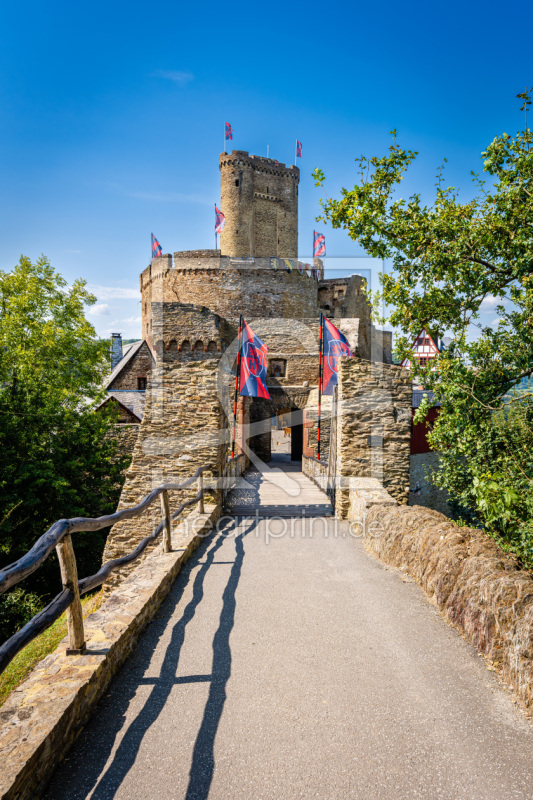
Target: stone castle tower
(259,197)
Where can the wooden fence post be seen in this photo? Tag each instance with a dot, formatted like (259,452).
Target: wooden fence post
(165,512)
(201,491)
(69,577)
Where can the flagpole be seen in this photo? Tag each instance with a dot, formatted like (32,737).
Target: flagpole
(320,357)
(295,152)
(237,381)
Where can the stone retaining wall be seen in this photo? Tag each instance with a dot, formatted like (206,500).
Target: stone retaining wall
(183,428)
(42,717)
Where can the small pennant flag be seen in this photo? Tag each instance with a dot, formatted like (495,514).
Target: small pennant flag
(319,244)
(228,131)
(253,364)
(288,264)
(274,263)
(157,250)
(301,268)
(298,149)
(220,220)
(335,346)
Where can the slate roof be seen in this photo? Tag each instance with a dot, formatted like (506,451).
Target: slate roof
(418,395)
(133,399)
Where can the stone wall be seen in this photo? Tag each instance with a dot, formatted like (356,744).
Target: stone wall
(373,428)
(227,287)
(183,428)
(259,197)
(139,366)
(126,435)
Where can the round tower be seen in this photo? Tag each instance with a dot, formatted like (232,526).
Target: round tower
(259,198)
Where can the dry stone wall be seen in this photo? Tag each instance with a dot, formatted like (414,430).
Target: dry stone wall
(373,428)
(183,428)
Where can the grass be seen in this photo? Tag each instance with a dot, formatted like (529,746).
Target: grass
(23,663)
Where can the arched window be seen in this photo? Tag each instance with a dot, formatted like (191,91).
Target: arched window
(199,345)
(186,346)
(212,347)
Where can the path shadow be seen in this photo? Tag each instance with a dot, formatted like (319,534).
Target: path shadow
(69,782)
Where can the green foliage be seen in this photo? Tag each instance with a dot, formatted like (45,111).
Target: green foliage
(56,456)
(447,258)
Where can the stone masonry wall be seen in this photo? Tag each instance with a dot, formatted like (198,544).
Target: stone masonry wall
(140,366)
(182,429)
(259,197)
(373,428)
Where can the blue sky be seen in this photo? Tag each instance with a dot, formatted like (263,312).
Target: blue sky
(112,116)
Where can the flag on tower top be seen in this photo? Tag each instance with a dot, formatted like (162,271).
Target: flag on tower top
(228,131)
(319,244)
(157,250)
(298,149)
(220,220)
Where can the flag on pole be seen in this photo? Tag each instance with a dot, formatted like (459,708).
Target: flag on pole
(228,131)
(253,364)
(298,149)
(319,244)
(335,346)
(157,250)
(220,220)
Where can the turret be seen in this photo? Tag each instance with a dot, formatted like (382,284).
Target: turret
(259,197)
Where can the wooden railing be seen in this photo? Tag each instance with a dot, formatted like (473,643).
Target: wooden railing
(58,536)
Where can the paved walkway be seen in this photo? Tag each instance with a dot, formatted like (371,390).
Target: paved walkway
(288,663)
(279,488)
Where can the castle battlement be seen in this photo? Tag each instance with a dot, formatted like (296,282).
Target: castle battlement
(268,166)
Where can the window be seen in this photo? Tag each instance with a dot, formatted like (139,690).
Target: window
(141,383)
(278,368)
(423,361)
(236,183)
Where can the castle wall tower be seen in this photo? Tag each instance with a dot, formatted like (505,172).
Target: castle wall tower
(259,197)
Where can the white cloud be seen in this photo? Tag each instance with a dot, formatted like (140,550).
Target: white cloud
(130,321)
(495,322)
(490,302)
(114,292)
(99,310)
(177,76)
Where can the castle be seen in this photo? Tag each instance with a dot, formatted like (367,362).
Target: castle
(177,381)
(191,302)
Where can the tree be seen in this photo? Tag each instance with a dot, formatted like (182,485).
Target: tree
(447,258)
(57,458)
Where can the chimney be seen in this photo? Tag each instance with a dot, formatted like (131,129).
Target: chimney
(116,349)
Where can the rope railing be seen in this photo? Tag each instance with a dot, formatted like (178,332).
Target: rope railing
(58,536)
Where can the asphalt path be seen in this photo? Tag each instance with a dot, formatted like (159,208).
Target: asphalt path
(289,663)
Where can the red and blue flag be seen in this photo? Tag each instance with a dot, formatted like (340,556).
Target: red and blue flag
(319,244)
(298,149)
(335,346)
(157,250)
(253,364)
(220,220)
(228,131)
